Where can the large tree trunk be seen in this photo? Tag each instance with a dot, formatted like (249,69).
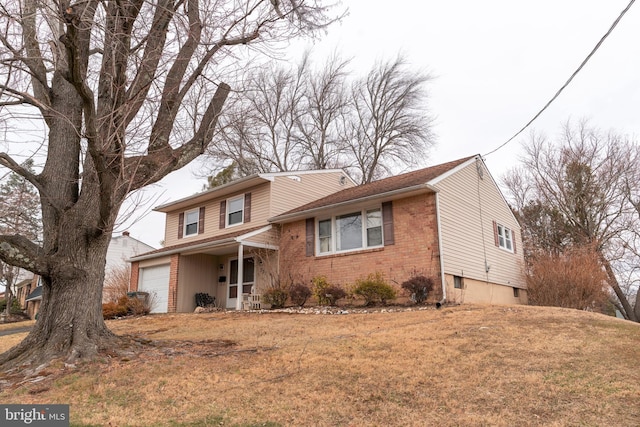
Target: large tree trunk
(70,323)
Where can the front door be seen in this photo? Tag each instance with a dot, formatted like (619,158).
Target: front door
(248,274)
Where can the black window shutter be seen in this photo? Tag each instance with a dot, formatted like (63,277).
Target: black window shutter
(247,207)
(311,236)
(180,225)
(201,221)
(223,214)
(513,241)
(387,223)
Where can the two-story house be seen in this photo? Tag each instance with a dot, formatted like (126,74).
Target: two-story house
(220,242)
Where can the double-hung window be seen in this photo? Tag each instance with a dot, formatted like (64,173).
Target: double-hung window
(505,238)
(235,214)
(352,231)
(191,220)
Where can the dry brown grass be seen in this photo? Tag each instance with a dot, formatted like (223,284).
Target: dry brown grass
(458,366)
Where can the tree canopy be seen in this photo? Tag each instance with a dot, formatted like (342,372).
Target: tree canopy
(125,92)
(582,190)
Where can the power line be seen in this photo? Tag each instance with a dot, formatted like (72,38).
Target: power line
(593,51)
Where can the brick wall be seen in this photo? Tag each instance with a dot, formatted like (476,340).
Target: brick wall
(173,283)
(135,276)
(415,249)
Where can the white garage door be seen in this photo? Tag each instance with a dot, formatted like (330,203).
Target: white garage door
(155,280)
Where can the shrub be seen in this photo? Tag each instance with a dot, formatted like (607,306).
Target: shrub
(277,297)
(15,306)
(334,293)
(116,283)
(325,292)
(374,288)
(125,306)
(320,285)
(138,307)
(299,294)
(418,287)
(111,310)
(574,279)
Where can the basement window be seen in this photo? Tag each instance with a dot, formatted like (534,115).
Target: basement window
(458,282)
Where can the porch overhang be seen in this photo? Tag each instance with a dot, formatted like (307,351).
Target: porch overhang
(220,246)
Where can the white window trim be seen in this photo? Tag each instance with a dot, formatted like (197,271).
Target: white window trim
(334,232)
(502,236)
(186,214)
(228,213)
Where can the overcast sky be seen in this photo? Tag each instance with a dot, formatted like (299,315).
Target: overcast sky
(495,63)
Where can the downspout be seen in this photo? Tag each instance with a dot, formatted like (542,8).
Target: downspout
(439,227)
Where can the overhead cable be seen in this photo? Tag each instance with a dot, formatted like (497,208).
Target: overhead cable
(593,51)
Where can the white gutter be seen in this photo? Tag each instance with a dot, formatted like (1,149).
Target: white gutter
(444,285)
(182,249)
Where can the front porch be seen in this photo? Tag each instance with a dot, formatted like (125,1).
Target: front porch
(217,271)
(175,275)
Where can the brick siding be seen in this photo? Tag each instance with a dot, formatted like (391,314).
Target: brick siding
(135,277)
(415,250)
(173,283)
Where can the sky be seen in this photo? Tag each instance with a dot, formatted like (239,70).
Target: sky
(495,64)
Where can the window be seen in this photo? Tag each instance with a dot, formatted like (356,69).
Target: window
(356,230)
(236,209)
(505,238)
(457,282)
(349,231)
(324,235)
(191,220)
(516,292)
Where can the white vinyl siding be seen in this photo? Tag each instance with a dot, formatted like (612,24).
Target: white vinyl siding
(469,204)
(287,193)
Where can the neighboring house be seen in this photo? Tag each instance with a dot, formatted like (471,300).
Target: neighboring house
(123,247)
(208,233)
(23,289)
(34,299)
(449,222)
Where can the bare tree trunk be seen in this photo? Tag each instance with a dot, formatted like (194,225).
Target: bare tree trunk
(628,312)
(70,322)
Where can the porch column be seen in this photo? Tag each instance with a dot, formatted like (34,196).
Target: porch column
(240,275)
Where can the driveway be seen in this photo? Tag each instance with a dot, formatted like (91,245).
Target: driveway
(15,330)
